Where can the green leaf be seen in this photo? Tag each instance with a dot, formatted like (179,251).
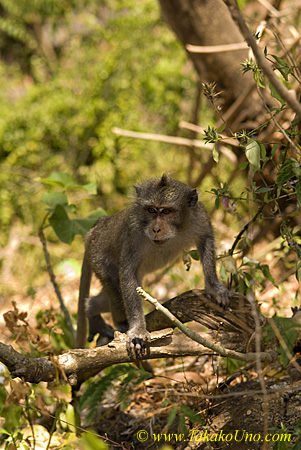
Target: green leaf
(253,153)
(61,179)
(283,67)
(65,181)
(243,166)
(275,146)
(52,199)
(257,75)
(99,212)
(171,416)
(90,441)
(274,93)
(289,169)
(266,198)
(82,226)
(194,255)
(215,154)
(90,187)
(266,272)
(66,228)
(62,225)
(182,424)
(221,129)
(224,190)
(192,415)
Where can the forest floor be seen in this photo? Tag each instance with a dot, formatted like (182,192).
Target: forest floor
(155,412)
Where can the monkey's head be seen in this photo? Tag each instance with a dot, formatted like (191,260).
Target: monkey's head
(163,207)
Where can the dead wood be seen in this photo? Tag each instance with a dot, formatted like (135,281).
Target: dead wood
(233,328)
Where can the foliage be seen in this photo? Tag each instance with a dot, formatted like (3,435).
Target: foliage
(50,335)
(129,376)
(284,444)
(289,332)
(285,158)
(180,414)
(89,75)
(71,71)
(21,403)
(59,207)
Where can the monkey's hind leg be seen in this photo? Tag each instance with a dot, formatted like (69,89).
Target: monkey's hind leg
(97,305)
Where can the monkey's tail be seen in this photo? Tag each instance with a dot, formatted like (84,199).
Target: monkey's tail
(84,289)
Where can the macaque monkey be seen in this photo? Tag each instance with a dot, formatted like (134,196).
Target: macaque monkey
(164,221)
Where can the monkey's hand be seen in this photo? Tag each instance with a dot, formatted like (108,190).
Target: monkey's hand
(136,342)
(218,292)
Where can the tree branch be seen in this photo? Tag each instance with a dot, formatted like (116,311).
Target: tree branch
(162,138)
(55,285)
(263,356)
(231,333)
(288,96)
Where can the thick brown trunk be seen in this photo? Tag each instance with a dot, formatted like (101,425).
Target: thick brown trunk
(209,23)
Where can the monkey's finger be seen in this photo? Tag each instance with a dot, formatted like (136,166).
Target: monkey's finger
(136,348)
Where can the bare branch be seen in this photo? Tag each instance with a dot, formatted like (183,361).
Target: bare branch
(266,67)
(263,356)
(230,333)
(55,285)
(216,48)
(162,138)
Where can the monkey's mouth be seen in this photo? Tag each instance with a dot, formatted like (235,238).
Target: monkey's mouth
(160,241)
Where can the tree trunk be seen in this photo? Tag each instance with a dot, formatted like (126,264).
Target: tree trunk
(209,23)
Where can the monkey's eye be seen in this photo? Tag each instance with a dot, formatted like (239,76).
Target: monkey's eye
(165,211)
(152,210)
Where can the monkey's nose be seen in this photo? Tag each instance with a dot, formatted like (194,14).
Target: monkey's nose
(156,229)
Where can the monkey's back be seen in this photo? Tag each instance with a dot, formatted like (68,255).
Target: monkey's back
(104,242)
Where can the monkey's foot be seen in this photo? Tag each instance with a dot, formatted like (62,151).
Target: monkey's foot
(219,293)
(98,326)
(136,343)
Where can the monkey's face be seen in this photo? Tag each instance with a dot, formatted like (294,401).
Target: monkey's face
(161,223)
(163,207)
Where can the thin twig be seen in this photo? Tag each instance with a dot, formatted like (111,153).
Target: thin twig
(265,401)
(162,138)
(266,67)
(245,228)
(283,344)
(216,48)
(55,285)
(198,129)
(263,356)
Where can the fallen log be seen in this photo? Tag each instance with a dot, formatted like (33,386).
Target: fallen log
(233,328)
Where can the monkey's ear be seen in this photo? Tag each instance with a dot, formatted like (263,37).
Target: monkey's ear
(193,197)
(137,190)
(165,179)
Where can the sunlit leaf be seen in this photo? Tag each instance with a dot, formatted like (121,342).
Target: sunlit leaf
(253,153)
(52,199)
(215,154)
(275,94)
(61,179)
(62,225)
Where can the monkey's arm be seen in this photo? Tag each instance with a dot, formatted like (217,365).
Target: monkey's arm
(137,334)
(207,256)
